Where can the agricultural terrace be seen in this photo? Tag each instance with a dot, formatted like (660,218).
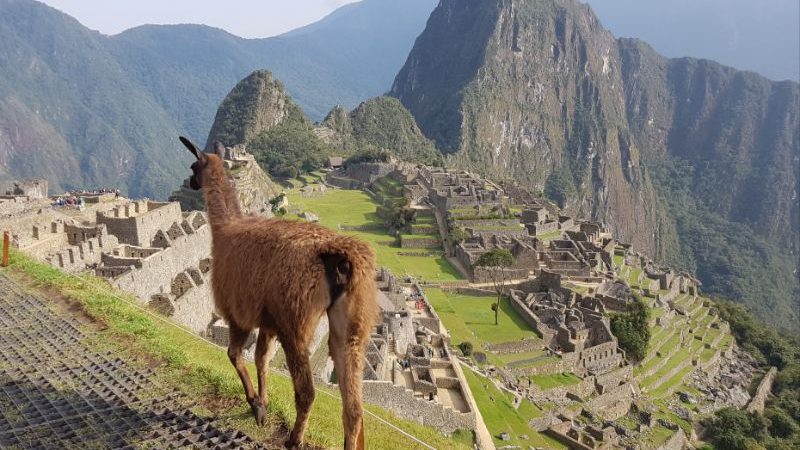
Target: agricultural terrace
(471,319)
(500,415)
(338,208)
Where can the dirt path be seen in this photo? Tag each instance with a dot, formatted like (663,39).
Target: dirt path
(58,392)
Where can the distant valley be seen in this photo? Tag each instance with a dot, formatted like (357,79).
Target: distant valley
(87,110)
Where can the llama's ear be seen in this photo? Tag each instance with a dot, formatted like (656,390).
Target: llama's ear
(192,148)
(219,149)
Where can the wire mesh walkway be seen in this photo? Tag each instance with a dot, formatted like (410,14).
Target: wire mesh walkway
(56,392)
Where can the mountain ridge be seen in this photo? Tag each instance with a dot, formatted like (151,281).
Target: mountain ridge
(119,101)
(546,96)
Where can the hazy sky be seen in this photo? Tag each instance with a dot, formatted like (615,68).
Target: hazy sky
(760,35)
(246,18)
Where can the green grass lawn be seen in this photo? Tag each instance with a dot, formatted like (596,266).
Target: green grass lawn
(356,208)
(202,371)
(470,318)
(549,236)
(499,414)
(618,260)
(515,357)
(555,380)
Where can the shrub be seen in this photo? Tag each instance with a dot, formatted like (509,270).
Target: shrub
(632,330)
(466,348)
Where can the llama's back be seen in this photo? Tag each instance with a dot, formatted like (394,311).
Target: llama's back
(268,268)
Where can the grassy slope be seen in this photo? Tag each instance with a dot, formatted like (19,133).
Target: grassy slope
(470,318)
(499,415)
(356,208)
(203,371)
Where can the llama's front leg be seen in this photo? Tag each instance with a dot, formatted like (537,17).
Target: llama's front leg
(238,337)
(264,344)
(300,368)
(348,361)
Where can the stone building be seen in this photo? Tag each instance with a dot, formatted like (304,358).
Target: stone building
(573,327)
(31,189)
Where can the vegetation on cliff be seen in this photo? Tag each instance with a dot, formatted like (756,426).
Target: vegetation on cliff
(259,113)
(779,426)
(632,330)
(380,123)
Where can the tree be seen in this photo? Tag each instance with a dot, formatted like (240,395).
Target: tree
(458,235)
(734,429)
(631,329)
(276,204)
(397,215)
(496,263)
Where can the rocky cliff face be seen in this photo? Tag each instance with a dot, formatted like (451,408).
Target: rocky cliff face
(535,90)
(539,91)
(256,104)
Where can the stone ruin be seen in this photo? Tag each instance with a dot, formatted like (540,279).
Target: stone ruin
(31,189)
(410,368)
(149,249)
(573,327)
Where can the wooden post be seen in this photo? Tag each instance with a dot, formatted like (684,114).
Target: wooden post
(6,244)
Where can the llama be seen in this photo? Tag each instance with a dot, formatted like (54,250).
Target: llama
(280,276)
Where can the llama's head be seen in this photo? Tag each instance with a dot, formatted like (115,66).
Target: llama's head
(205,162)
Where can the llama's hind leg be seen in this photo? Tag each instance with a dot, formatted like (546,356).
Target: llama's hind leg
(238,337)
(298,360)
(348,361)
(264,344)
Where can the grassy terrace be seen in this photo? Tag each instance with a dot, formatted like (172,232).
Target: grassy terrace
(356,208)
(618,260)
(549,236)
(470,318)
(555,380)
(201,370)
(500,415)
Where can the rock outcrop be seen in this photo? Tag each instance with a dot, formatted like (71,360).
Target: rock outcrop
(256,104)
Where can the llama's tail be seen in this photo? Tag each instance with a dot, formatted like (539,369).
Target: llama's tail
(350,270)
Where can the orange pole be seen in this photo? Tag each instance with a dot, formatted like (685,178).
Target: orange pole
(5,249)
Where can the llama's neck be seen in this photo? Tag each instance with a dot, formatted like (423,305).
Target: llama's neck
(222,202)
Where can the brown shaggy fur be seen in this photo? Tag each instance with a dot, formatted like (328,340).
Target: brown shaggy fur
(280,276)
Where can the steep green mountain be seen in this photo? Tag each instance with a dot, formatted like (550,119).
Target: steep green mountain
(87,110)
(382,123)
(259,113)
(657,148)
(763,36)
(70,112)
(256,104)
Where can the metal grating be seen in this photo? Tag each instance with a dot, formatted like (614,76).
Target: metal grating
(57,392)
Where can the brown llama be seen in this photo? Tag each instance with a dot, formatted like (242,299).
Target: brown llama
(280,276)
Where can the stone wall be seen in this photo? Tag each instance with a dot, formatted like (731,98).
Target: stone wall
(420,242)
(677,441)
(368,172)
(404,404)
(75,258)
(137,223)
(157,272)
(613,404)
(764,388)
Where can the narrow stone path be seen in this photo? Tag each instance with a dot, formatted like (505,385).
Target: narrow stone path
(57,392)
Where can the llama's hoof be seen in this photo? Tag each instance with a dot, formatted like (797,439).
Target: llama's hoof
(259,413)
(292,444)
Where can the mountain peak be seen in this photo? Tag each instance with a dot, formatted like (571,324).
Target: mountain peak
(256,104)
